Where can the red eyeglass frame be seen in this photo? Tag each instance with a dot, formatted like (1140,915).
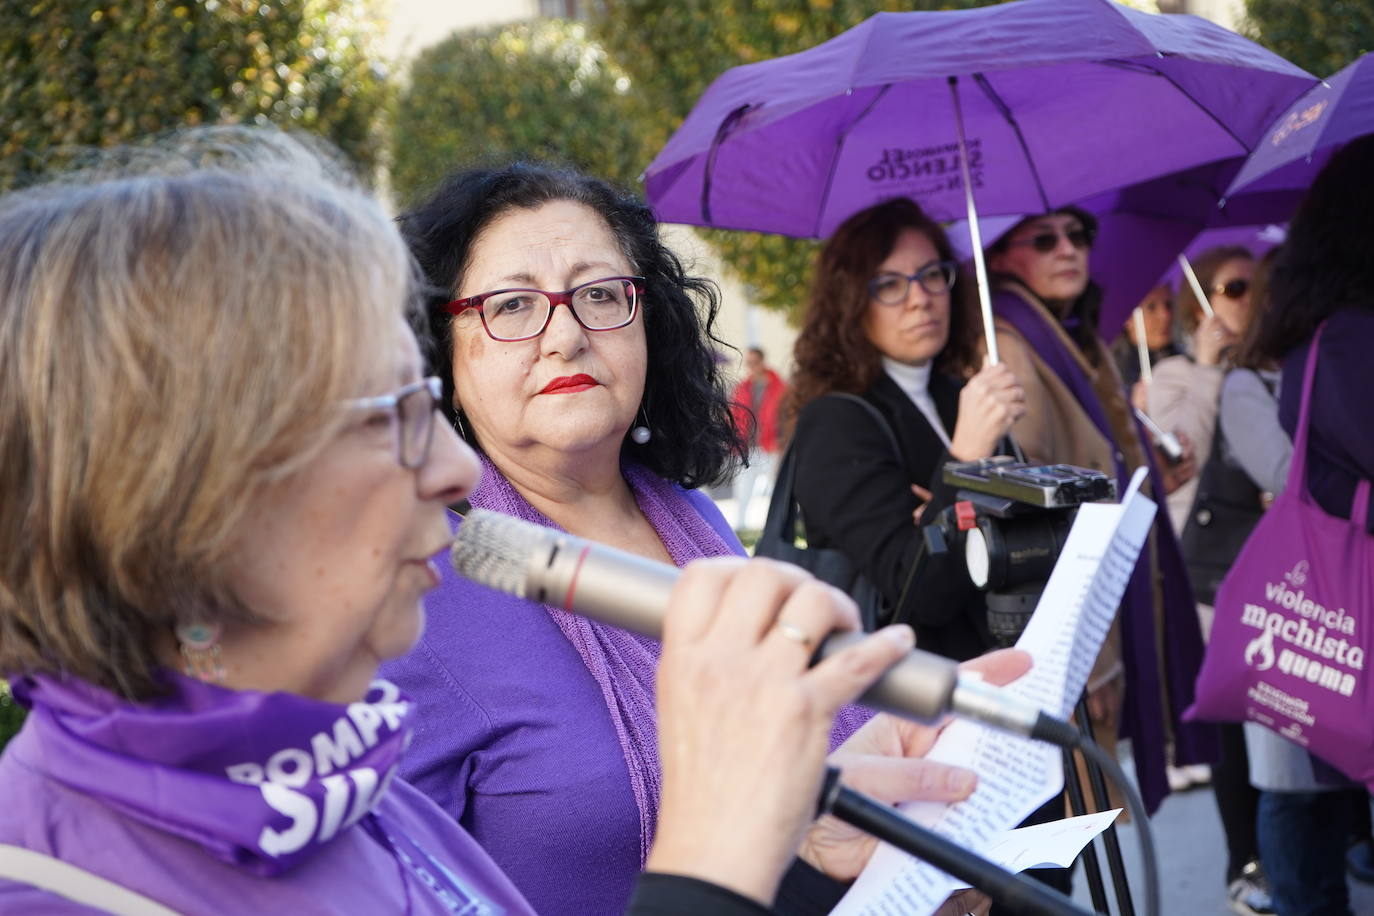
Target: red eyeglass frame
(564,297)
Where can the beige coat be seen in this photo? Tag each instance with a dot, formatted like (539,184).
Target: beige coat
(1056,429)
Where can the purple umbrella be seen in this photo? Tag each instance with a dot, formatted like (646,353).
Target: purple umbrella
(1304,137)
(1145,227)
(1053,100)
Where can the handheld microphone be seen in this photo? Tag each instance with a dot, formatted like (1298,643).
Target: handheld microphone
(631,592)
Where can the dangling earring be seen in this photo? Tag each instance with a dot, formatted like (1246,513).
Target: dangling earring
(458,422)
(641,434)
(200,649)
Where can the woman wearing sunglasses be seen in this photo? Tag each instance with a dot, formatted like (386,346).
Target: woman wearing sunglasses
(578,361)
(1187,388)
(884,323)
(1077,412)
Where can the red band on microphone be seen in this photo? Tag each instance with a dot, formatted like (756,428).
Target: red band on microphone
(577,571)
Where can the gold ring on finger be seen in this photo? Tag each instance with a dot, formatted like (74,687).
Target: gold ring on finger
(795,633)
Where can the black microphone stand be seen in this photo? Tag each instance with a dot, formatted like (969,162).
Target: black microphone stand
(888,825)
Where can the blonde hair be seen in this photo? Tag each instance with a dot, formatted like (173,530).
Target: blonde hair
(171,342)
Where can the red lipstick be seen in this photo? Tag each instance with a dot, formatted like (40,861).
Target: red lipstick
(569,384)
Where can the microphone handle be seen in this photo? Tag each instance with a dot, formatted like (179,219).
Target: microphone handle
(884,822)
(631,592)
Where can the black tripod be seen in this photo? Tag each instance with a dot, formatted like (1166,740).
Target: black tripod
(1008,614)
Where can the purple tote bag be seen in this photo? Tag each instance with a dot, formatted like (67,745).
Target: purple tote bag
(1292,633)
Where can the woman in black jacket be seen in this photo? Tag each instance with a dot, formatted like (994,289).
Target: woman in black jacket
(882,323)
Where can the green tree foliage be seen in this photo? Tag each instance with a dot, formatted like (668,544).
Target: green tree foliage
(82,73)
(673,49)
(1319,37)
(542,90)
(11,715)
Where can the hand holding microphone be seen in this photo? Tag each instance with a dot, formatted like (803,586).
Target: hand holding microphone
(631,592)
(747,700)
(744,722)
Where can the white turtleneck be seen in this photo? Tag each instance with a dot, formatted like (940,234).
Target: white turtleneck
(915,381)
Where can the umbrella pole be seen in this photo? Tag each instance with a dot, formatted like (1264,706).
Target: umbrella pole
(975,236)
(1142,349)
(1197,287)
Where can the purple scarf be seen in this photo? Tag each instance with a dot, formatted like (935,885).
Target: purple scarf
(1182,655)
(261,781)
(623,663)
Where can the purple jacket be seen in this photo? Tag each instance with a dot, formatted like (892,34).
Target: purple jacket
(141,795)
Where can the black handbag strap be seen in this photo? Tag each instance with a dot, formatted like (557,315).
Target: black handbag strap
(781,523)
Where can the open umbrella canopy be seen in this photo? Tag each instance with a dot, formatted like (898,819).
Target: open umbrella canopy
(1061,99)
(1304,137)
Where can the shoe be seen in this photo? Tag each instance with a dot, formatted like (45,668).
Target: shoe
(1200,774)
(1359,860)
(1190,776)
(1248,895)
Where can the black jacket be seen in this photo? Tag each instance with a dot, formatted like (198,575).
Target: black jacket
(855,495)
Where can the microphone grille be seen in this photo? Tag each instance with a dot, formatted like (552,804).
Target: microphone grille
(494,550)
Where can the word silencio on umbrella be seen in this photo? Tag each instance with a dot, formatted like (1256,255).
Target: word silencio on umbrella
(1319,645)
(940,163)
(1297,120)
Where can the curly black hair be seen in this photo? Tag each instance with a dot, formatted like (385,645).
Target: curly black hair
(1325,263)
(686,399)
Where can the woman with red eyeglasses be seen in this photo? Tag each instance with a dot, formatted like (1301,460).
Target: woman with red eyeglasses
(579,363)
(1046,315)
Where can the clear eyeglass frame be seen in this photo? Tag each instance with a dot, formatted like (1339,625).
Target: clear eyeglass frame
(415,406)
(891,288)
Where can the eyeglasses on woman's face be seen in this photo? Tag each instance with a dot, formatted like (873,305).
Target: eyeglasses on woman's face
(1232,289)
(411,409)
(1047,240)
(522,314)
(891,288)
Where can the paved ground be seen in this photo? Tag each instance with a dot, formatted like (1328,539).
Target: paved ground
(1192,859)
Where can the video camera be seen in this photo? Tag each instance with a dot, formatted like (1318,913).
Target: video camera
(1013,519)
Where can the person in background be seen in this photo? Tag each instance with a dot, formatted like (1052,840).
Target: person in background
(242,498)
(1157,308)
(1187,388)
(1323,277)
(883,322)
(1184,398)
(1247,462)
(755,405)
(1046,316)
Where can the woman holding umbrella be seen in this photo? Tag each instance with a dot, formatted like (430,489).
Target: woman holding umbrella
(884,323)
(1046,309)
